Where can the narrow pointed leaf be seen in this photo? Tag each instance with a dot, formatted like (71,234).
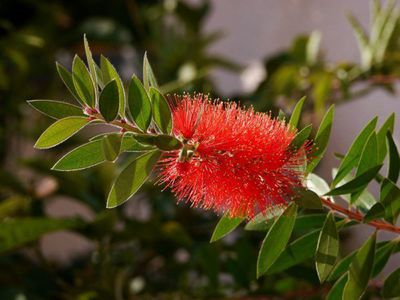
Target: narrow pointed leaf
(56,109)
(111,144)
(327,248)
(300,138)
(391,286)
(357,183)
(132,178)
(336,291)
(99,75)
(377,211)
(225,226)
(66,77)
(353,155)
(60,131)
(388,126)
(163,142)
(294,119)
(149,80)
(317,184)
(264,220)
(162,115)
(276,239)
(322,138)
(109,73)
(382,256)
(394,159)
(139,104)
(90,62)
(360,270)
(390,199)
(109,101)
(83,82)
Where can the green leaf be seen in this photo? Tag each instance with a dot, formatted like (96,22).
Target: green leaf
(90,61)
(381,136)
(60,131)
(109,73)
(322,138)
(308,199)
(363,43)
(139,104)
(336,291)
(162,115)
(130,144)
(18,232)
(163,142)
(357,183)
(148,75)
(382,256)
(317,184)
(297,252)
(99,75)
(353,154)
(66,77)
(109,101)
(276,239)
(111,144)
(300,138)
(390,199)
(225,226)
(281,115)
(83,82)
(294,119)
(264,220)
(394,159)
(82,157)
(360,270)
(56,109)
(391,286)
(377,211)
(327,248)
(132,178)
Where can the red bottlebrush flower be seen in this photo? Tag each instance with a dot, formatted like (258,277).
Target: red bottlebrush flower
(234,160)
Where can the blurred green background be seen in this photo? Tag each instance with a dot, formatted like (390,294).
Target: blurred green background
(57,240)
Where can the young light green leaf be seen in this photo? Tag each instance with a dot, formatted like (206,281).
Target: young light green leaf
(109,73)
(390,199)
(162,115)
(139,104)
(60,131)
(327,248)
(300,138)
(308,199)
(130,144)
(294,119)
(148,75)
(336,291)
(109,101)
(382,256)
(111,144)
(317,184)
(83,157)
(353,154)
(132,178)
(264,220)
(357,183)
(391,286)
(83,82)
(225,226)
(90,62)
(276,239)
(56,109)
(381,136)
(99,75)
(66,77)
(322,138)
(394,159)
(360,270)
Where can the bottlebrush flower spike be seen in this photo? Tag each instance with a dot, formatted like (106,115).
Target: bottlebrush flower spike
(233,160)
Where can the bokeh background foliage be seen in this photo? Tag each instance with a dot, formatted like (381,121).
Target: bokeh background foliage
(150,248)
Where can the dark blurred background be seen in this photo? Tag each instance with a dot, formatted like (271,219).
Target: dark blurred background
(57,240)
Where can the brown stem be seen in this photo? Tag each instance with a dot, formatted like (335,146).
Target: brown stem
(356,216)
